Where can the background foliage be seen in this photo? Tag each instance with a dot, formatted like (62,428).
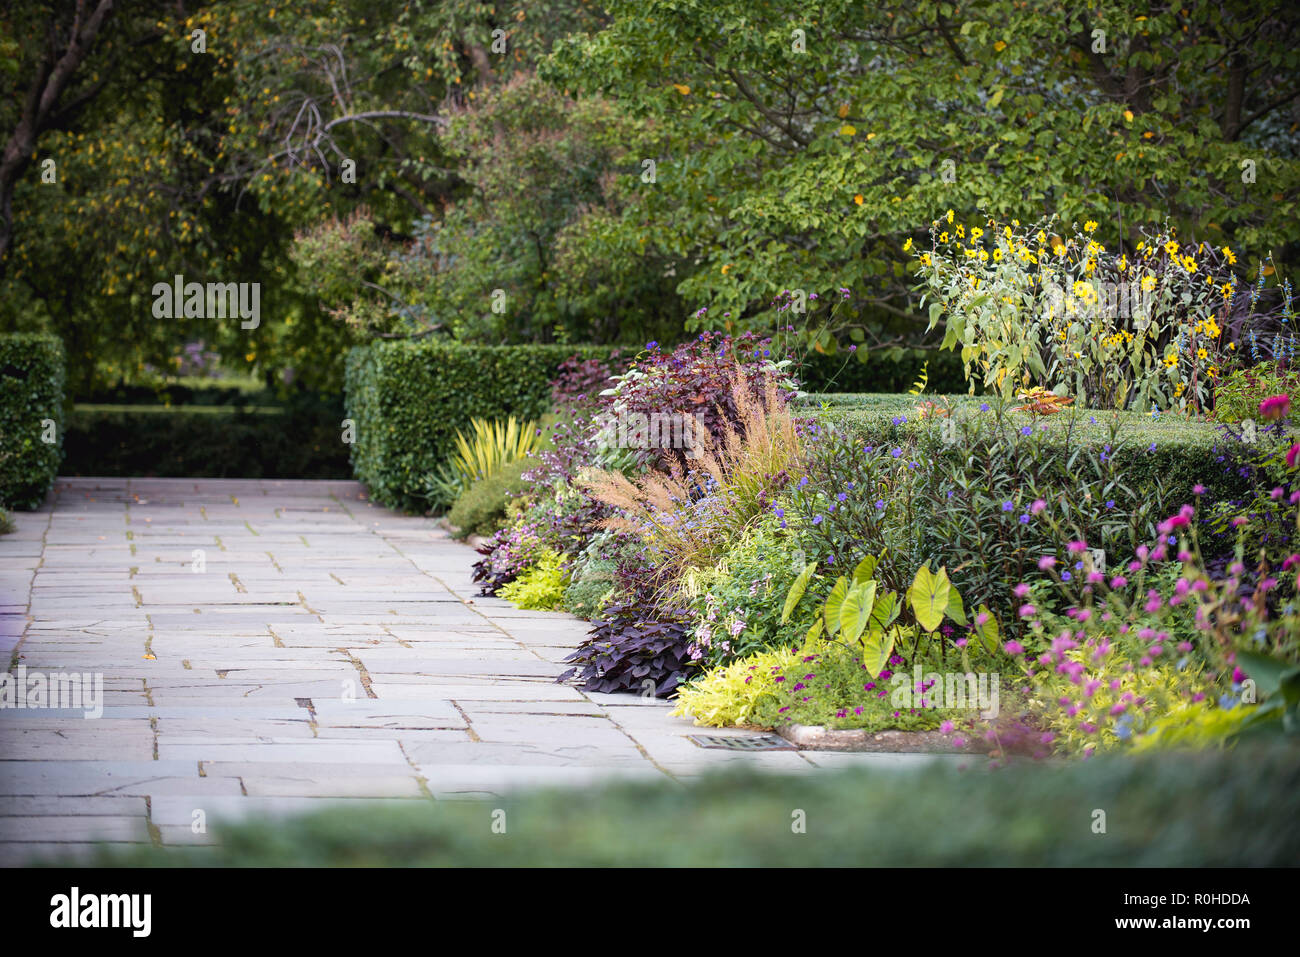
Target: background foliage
(796,146)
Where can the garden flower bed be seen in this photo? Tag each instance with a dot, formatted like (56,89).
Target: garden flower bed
(908,572)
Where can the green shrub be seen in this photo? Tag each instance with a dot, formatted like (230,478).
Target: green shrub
(6,523)
(1234,808)
(481,508)
(300,440)
(32,376)
(409,398)
(1185,452)
(541,587)
(586,596)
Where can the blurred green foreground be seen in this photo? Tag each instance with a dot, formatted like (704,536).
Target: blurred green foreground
(1239,808)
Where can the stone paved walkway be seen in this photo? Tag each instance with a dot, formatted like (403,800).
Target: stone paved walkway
(268,646)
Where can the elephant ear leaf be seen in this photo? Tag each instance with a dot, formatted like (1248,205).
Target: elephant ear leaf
(797,591)
(814,631)
(1267,671)
(885,611)
(877,647)
(866,568)
(834,601)
(929,597)
(856,610)
(955,611)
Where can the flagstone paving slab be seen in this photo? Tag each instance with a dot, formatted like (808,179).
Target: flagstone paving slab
(273,647)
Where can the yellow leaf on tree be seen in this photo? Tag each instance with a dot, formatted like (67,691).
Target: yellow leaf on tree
(858,199)
(847,130)
(682,89)
(843,111)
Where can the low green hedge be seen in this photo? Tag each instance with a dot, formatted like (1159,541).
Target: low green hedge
(300,440)
(1236,808)
(409,398)
(32,377)
(1178,452)
(882,371)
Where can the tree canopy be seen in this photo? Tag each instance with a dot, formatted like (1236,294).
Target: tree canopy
(567,171)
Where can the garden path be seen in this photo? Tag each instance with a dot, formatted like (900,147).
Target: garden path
(267,646)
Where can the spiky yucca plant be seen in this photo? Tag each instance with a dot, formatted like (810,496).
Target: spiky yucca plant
(490,447)
(494,444)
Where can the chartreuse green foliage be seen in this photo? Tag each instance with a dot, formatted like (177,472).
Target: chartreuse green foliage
(854,636)
(729,695)
(31,412)
(541,587)
(939,815)
(409,399)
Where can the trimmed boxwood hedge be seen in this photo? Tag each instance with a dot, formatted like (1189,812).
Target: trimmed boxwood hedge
(409,398)
(882,371)
(1178,452)
(32,378)
(302,439)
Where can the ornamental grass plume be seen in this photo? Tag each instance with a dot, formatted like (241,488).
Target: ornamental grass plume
(687,517)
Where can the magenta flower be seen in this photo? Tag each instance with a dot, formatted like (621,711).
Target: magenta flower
(1275,407)
(1292,454)
(1013,647)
